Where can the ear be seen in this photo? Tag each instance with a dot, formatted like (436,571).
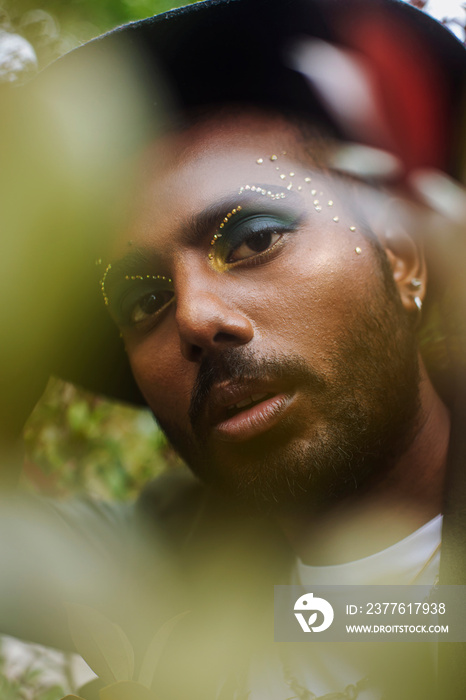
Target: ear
(406,256)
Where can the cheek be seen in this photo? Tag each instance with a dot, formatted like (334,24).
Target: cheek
(163,376)
(313,293)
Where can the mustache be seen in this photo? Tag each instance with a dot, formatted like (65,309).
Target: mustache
(235,364)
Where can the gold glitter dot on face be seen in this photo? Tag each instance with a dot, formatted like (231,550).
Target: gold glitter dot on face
(313,192)
(289,186)
(357,250)
(259,161)
(234,211)
(102,283)
(352,228)
(299,188)
(282,176)
(307,179)
(318,208)
(277,168)
(273,157)
(291,174)
(336,219)
(316,201)
(330,203)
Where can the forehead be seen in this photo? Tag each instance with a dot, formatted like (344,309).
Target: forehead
(184,172)
(231,134)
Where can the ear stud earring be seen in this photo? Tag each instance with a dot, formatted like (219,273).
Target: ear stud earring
(416,283)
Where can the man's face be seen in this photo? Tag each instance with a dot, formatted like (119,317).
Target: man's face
(263,327)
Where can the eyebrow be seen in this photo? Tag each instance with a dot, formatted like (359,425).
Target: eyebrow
(144,258)
(210,218)
(132,263)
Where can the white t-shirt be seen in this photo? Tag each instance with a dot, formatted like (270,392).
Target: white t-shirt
(415,559)
(327,668)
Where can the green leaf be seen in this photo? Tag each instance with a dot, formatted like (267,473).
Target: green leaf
(155,649)
(102,644)
(55,692)
(125,690)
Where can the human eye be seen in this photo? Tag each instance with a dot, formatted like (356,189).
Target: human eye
(257,242)
(143,301)
(252,238)
(150,305)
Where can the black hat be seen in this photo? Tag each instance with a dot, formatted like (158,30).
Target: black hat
(227,51)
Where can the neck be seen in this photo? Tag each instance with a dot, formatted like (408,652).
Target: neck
(406,498)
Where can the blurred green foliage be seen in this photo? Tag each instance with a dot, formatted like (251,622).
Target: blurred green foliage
(56,26)
(74,440)
(29,683)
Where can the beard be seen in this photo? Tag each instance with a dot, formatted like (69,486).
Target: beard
(367,407)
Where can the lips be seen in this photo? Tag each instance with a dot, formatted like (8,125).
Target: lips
(239,412)
(247,403)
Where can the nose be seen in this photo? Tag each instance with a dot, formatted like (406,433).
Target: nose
(207,319)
